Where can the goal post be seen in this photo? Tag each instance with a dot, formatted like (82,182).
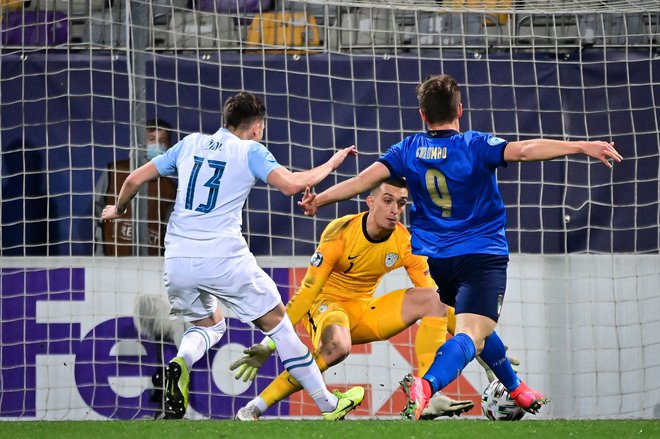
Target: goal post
(81,81)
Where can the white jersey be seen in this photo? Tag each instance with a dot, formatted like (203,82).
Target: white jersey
(215,176)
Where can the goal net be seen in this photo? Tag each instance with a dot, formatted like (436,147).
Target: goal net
(90,88)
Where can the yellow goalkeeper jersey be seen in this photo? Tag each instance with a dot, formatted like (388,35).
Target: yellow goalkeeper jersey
(348,265)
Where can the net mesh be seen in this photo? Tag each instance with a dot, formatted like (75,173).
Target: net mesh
(81,81)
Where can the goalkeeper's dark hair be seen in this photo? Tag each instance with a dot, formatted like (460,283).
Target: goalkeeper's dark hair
(439,97)
(399,182)
(241,110)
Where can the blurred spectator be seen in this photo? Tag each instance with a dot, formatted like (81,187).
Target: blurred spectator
(118,238)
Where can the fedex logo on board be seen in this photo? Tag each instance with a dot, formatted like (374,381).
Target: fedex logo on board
(67,353)
(110,365)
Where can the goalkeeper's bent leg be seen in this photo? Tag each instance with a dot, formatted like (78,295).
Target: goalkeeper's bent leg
(285,385)
(431,334)
(298,361)
(197,340)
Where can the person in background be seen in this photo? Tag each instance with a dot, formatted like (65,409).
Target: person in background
(117,239)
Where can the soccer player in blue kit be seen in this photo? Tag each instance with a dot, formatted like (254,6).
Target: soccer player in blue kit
(458,221)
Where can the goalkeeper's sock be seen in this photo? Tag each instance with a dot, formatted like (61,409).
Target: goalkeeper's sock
(284,385)
(451,321)
(298,361)
(197,340)
(494,354)
(259,405)
(449,361)
(431,334)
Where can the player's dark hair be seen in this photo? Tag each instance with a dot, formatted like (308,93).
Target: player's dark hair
(439,98)
(242,110)
(399,182)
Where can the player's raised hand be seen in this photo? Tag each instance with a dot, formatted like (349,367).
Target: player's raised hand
(341,155)
(308,202)
(109,213)
(247,366)
(602,151)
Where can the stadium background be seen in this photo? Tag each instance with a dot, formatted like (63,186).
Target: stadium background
(584,274)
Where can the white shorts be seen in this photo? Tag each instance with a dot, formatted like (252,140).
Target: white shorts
(194,284)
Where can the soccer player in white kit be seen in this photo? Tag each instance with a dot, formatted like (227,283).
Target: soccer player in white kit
(207,258)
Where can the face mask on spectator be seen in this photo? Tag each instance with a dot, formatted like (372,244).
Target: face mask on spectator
(155,149)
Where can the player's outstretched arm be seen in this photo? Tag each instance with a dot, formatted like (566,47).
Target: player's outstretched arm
(364,181)
(290,183)
(131,186)
(547,149)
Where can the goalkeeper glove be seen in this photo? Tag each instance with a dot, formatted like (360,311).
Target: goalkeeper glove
(246,367)
(489,372)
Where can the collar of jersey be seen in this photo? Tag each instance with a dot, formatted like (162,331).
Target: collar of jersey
(441,133)
(366,235)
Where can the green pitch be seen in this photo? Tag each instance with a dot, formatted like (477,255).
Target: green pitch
(290,429)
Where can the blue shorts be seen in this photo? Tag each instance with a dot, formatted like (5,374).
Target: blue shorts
(471,283)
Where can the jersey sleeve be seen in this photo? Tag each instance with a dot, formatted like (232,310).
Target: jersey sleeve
(418,271)
(393,159)
(416,266)
(320,266)
(488,148)
(166,162)
(261,162)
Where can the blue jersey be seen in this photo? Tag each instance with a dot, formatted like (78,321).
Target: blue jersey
(457,207)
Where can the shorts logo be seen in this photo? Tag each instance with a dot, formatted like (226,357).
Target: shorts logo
(323,308)
(317,259)
(390,259)
(500,301)
(495,141)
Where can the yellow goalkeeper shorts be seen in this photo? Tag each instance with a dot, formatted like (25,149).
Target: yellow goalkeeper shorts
(373,320)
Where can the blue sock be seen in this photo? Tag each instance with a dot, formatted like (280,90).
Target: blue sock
(494,354)
(449,361)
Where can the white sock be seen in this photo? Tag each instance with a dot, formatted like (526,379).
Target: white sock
(197,340)
(259,405)
(299,363)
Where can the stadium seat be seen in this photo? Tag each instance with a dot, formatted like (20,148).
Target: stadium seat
(283,30)
(364,28)
(70,7)
(234,6)
(34,28)
(552,30)
(617,29)
(77,11)
(106,27)
(11,5)
(193,30)
(451,29)
(160,17)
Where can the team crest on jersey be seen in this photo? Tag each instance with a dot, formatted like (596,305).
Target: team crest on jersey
(495,141)
(390,259)
(323,307)
(270,157)
(317,259)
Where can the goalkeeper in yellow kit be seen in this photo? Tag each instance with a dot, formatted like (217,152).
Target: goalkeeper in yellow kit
(337,307)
